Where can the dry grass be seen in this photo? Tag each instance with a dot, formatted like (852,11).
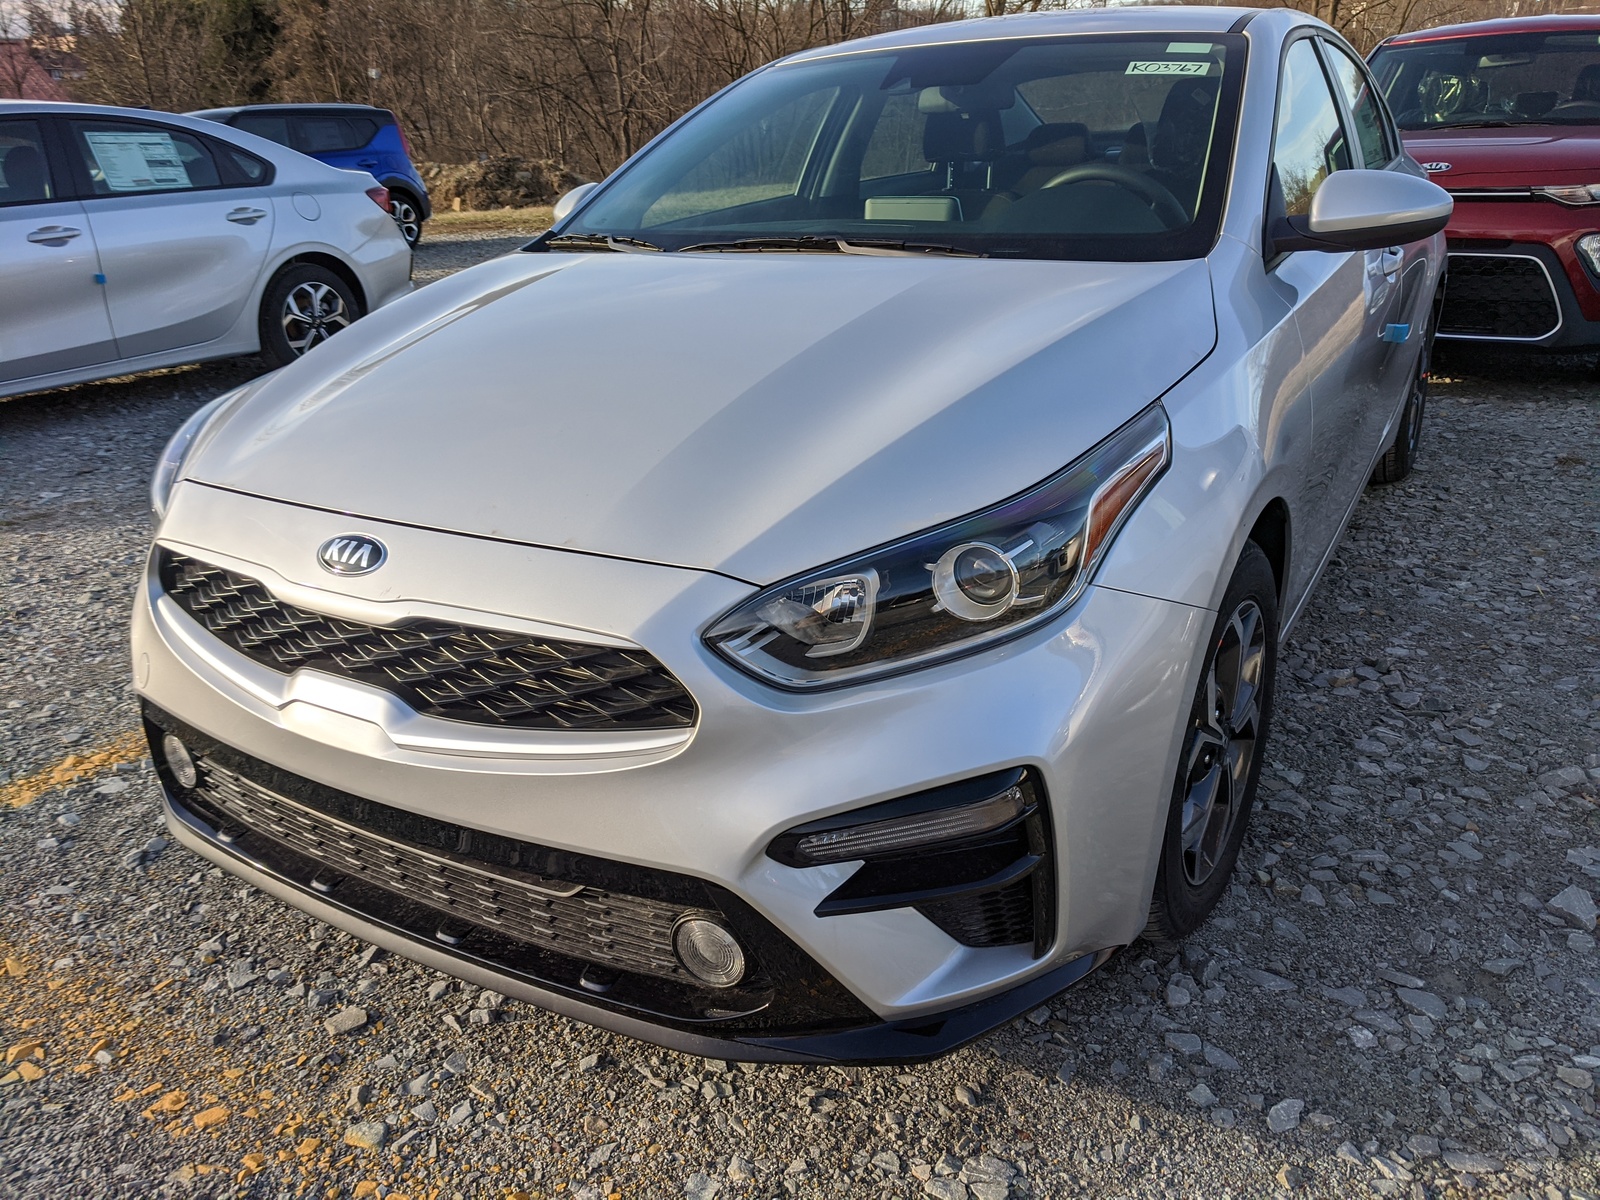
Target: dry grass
(514,219)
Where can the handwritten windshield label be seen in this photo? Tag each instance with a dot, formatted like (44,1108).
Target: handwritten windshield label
(1168,68)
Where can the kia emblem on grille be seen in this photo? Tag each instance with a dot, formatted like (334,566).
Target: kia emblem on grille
(1435,168)
(352,554)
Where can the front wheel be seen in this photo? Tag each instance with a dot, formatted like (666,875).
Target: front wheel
(304,306)
(1221,760)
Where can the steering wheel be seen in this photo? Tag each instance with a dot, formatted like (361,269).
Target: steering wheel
(1167,207)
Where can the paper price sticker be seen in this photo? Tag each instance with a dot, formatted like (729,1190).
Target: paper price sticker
(138,162)
(1168,68)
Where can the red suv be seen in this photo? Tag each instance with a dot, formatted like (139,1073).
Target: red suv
(1505,115)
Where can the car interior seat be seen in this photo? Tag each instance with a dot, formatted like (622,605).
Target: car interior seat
(23,168)
(1585,91)
(1182,137)
(967,143)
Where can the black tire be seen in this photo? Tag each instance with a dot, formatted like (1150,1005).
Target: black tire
(407,213)
(1401,455)
(304,305)
(1221,749)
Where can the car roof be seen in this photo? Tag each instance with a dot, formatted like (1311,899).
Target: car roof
(1550,23)
(1155,18)
(332,108)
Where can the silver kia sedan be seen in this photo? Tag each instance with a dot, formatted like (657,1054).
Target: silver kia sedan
(131,240)
(823,598)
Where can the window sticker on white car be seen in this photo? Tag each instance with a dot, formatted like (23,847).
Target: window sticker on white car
(1168,68)
(138,162)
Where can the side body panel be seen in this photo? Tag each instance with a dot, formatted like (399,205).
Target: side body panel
(52,309)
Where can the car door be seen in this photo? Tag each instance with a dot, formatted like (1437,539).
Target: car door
(1395,275)
(182,230)
(52,307)
(1332,308)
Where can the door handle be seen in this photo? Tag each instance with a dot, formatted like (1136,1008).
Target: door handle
(367,162)
(1391,260)
(246,216)
(54,235)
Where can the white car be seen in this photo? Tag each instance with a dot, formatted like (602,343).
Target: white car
(822,599)
(131,240)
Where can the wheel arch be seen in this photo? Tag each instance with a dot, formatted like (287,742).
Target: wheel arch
(333,263)
(1271,531)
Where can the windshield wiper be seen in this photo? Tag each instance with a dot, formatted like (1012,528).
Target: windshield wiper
(831,245)
(600,241)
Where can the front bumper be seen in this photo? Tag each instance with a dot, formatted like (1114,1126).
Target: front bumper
(1516,277)
(1093,705)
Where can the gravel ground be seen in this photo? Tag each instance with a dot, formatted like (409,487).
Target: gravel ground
(1400,996)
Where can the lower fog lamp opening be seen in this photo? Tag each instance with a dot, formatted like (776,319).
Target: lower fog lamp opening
(707,950)
(179,761)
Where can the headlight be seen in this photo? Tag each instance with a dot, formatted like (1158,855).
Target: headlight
(955,589)
(1578,193)
(171,460)
(1589,247)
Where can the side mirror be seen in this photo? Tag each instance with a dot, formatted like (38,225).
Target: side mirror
(571,200)
(1365,210)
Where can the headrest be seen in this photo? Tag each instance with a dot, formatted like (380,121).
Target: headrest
(1059,143)
(1183,132)
(965,97)
(23,167)
(1587,85)
(961,137)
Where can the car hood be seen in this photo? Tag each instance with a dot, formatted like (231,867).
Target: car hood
(1519,156)
(753,414)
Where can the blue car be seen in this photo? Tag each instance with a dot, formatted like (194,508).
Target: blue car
(354,136)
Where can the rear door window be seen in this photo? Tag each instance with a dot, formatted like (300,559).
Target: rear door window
(24,170)
(126,158)
(273,127)
(328,135)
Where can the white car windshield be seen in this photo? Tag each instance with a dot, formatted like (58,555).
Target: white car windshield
(1089,147)
(1492,79)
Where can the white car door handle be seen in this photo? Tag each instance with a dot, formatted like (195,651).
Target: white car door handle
(246,216)
(1391,260)
(54,235)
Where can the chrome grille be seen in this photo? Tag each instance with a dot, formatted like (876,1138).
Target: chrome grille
(455,672)
(627,933)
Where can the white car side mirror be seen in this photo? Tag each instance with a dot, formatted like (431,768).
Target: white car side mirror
(571,200)
(1366,210)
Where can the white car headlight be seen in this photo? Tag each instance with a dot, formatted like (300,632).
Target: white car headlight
(171,460)
(951,590)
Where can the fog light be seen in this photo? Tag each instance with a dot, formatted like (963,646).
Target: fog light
(179,762)
(1589,248)
(708,951)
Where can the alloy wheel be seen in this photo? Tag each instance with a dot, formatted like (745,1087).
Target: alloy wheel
(406,216)
(313,312)
(1222,745)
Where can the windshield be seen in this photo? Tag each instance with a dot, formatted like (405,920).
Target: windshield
(1508,79)
(1087,147)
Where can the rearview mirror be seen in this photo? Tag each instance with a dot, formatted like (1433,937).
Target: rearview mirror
(571,200)
(1365,210)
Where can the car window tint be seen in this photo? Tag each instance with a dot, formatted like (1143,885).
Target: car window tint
(895,147)
(273,128)
(762,161)
(1352,81)
(324,135)
(123,159)
(24,172)
(247,168)
(1309,144)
